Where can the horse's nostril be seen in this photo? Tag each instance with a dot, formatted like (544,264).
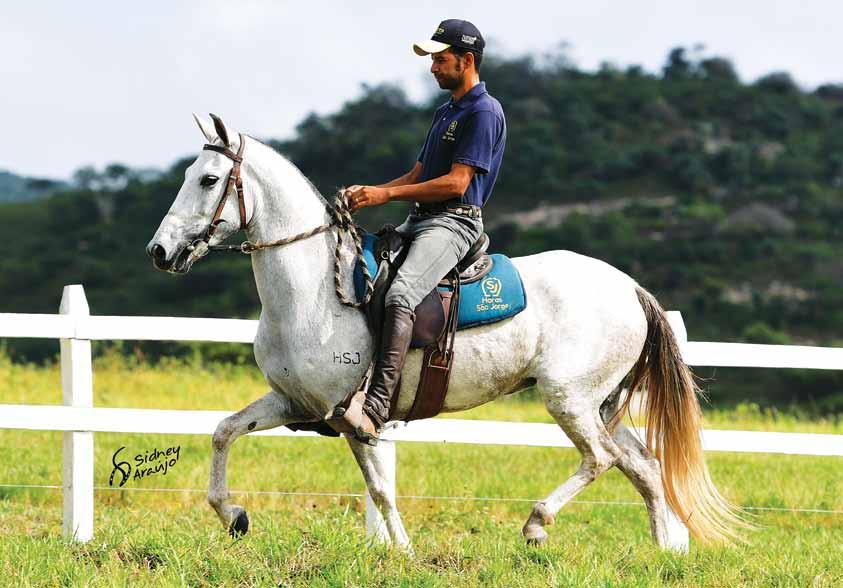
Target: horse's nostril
(157,253)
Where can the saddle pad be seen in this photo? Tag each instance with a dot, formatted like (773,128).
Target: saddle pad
(498,296)
(368,242)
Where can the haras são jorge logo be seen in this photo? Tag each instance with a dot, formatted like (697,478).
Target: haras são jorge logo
(147,463)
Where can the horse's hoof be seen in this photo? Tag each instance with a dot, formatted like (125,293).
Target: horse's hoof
(535,535)
(240,525)
(537,539)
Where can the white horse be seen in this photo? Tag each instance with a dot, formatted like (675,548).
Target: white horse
(586,327)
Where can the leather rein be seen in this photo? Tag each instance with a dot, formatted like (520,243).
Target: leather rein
(341,222)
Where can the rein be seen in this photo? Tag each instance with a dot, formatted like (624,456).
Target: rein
(341,222)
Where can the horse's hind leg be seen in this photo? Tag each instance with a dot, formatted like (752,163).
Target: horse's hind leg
(644,471)
(380,480)
(580,420)
(269,411)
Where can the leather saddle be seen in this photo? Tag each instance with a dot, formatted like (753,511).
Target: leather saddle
(435,327)
(431,313)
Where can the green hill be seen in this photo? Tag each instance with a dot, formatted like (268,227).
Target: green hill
(723,198)
(15,188)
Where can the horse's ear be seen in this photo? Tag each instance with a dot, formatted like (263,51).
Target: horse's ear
(206,128)
(222,133)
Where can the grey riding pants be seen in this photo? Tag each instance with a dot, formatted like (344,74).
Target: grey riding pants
(439,242)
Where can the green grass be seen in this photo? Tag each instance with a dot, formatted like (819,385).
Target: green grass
(173,538)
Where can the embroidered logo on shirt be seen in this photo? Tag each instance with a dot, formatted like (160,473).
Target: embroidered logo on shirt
(449,134)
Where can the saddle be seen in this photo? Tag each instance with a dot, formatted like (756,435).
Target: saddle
(437,315)
(390,249)
(481,289)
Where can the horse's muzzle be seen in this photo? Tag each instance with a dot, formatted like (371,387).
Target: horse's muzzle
(178,263)
(159,256)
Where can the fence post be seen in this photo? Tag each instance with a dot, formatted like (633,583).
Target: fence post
(375,525)
(677,323)
(78,446)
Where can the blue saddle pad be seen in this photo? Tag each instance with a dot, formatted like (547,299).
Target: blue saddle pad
(498,296)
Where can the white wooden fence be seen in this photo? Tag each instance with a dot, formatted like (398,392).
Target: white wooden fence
(79,419)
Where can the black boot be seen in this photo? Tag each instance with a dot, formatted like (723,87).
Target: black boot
(367,416)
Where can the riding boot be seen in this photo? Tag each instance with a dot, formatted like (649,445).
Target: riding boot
(368,416)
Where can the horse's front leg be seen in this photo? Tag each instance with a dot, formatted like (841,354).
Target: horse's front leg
(379,474)
(269,411)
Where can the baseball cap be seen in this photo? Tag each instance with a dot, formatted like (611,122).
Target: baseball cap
(452,32)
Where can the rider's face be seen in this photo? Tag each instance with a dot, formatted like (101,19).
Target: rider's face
(448,70)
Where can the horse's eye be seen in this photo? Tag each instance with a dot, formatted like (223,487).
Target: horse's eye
(208,180)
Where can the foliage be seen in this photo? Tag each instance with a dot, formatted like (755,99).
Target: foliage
(746,241)
(14,188)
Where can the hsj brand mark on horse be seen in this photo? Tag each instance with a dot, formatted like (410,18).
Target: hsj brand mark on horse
(147,463)
(492,300)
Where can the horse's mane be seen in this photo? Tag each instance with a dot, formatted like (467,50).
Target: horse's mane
(293,165)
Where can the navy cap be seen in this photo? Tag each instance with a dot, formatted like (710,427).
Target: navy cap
(452,33)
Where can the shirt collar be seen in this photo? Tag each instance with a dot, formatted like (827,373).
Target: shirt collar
(469,97)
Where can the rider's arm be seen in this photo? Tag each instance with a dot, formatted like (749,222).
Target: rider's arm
(451,185)
(411,177)
(472,154)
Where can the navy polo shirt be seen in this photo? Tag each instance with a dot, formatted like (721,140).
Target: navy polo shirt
(472,131)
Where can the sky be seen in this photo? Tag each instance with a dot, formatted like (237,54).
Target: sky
(95,82)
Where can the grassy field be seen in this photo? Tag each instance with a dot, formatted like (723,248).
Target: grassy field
(173,538)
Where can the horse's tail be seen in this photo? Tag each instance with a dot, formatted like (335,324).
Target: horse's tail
(673,430)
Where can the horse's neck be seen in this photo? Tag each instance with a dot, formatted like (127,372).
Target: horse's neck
(295,281)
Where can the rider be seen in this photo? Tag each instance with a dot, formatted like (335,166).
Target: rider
(450,182)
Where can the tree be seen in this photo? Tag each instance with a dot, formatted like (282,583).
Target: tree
(677,67)
(779,82)
(718,69)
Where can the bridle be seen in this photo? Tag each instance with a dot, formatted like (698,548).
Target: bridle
(341,222)
(233,182)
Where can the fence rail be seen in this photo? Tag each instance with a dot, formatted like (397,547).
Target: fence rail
(79,419)
(448,430)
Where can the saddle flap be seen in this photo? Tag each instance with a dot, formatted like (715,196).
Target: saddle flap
(430,320)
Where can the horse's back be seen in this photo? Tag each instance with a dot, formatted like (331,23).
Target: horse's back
(588,310)
(567,269)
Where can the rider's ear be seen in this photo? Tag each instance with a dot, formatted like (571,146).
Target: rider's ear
(206,128)
(222,133)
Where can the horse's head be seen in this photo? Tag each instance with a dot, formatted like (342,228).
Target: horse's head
(209,206)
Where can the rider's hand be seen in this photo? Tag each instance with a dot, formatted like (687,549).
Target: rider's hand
(363,196)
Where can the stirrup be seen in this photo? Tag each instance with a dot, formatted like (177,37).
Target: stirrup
(351,419)
(340,420)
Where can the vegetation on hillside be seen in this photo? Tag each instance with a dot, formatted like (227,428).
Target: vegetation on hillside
(721,197)
(15,188)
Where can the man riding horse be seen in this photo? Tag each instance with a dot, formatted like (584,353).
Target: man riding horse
(579,341)
(452,179)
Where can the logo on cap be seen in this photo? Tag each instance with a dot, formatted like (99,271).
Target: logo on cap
(439,31)
(469,40)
